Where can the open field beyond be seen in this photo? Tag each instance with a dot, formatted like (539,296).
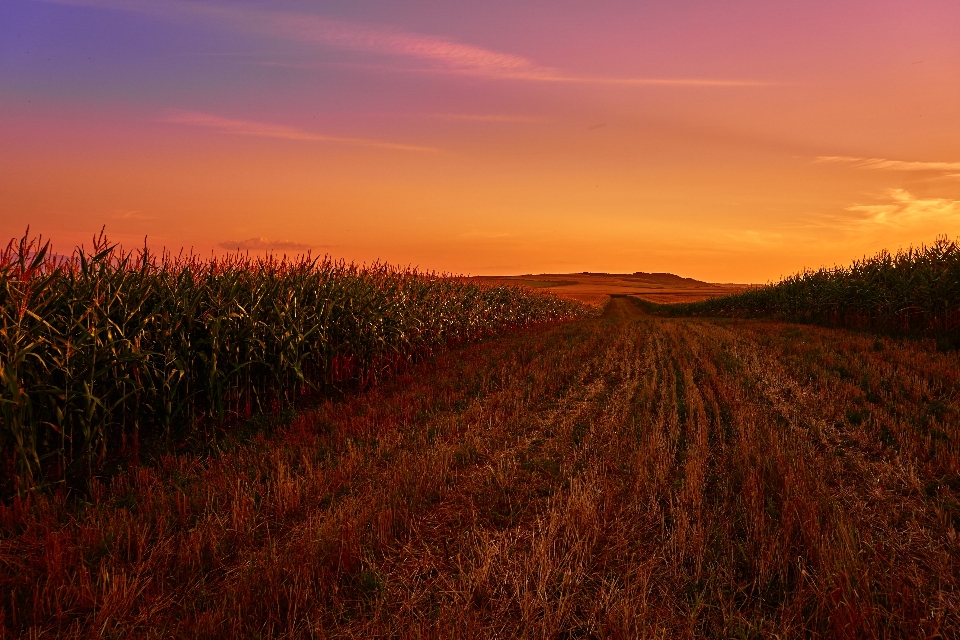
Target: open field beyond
(595,288)
(627,476)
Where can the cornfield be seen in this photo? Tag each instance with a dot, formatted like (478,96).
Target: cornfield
(913,292)
(105,348)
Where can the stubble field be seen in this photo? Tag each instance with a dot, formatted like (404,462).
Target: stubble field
(627,476)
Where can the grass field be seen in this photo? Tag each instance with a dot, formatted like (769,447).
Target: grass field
(624,476)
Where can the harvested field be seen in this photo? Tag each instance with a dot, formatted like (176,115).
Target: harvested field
(596,288)
(627,476)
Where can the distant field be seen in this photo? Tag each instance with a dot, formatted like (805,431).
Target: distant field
(596,288)
(628,476)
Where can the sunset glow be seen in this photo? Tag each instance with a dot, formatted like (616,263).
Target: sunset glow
(725,141)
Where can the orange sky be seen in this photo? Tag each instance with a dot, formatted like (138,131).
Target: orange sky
(727,141)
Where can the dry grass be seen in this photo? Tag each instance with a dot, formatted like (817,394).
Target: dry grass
(624,477)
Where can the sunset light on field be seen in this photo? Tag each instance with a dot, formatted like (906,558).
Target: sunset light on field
(490,319)
(726,141)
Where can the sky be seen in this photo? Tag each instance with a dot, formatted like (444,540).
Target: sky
(730,141)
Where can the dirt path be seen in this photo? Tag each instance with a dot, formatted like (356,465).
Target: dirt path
(620,308)
(624,477)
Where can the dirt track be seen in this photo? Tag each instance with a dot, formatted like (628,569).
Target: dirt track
(620,308)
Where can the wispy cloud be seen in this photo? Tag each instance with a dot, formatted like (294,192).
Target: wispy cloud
(892,165)
(901,208)
(654,82)
(443,53)
(267,130)
(263,244)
